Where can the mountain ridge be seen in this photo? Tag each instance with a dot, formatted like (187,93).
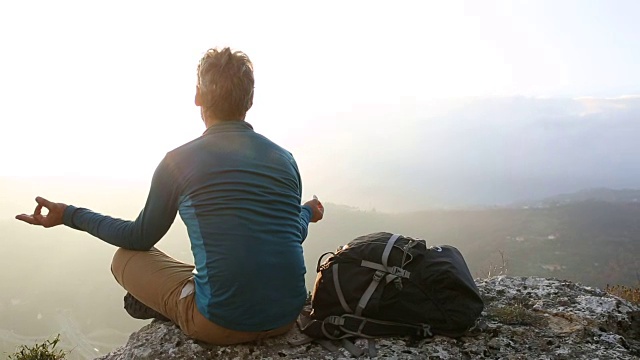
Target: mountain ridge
(590,194)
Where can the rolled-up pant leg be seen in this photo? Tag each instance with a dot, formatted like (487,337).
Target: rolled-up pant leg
(163,284)
(153,278)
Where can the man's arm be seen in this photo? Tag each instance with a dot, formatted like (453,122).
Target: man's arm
(151,225)
(312,211)
(305,218)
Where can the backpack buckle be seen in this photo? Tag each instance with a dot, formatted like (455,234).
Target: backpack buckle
(334,320)
(425,331)
(378,275)
(396,271)
(398,283)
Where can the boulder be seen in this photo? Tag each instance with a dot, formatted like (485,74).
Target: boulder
(524,318)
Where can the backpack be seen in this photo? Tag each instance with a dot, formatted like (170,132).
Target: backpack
(385,284)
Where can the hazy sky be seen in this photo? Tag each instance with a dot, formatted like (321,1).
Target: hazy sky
(105,89)
(393,105)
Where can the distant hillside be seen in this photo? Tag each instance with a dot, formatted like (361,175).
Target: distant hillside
(593,242)
(595,194)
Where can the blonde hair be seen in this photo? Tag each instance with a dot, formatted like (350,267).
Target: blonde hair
(226,83)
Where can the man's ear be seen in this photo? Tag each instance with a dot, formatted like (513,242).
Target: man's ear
(198,99)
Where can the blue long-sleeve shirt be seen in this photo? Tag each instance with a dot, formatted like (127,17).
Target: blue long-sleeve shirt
(239,195)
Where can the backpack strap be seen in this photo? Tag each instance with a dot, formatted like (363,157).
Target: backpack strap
(385,260)
(303,340)
(327,344)
(366,296)
(394,271)
(322,257)
(387,249)
(382,270)
(352,348)
(336,283)
(371,348)
(360,326)
(327,328)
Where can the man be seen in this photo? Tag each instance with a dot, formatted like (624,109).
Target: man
(239,195)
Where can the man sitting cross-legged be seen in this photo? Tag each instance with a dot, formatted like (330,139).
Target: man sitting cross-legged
(239,195)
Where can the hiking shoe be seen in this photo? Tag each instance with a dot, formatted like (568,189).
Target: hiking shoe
(138,310)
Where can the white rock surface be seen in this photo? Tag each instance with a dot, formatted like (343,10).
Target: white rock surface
(553,319)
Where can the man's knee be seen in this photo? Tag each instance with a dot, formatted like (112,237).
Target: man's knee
(119,263)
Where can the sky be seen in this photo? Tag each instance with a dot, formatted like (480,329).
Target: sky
(388,105)
(103,89)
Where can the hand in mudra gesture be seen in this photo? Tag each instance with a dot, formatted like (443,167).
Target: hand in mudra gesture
(52,218)
(317,209)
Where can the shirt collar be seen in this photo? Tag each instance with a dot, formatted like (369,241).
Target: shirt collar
(228,126)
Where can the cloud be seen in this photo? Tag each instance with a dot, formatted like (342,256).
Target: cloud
(478,150)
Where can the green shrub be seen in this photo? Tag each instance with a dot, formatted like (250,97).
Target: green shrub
(43,351)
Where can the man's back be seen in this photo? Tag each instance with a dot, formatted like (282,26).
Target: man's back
(239,195)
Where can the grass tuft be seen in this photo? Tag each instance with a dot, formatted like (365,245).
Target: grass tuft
(516,315)
(497,270)
(627,293)
(40,351)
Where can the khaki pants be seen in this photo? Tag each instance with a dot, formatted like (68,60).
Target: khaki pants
(165,285)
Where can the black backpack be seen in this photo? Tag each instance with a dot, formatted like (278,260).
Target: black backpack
(383,284)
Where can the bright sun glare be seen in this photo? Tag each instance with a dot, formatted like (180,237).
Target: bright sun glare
(105,89)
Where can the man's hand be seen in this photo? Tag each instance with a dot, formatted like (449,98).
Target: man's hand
(317,210)
(53,218)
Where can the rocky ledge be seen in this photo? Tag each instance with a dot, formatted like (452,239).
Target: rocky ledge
(524,318)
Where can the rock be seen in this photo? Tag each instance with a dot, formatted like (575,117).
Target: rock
(524,318)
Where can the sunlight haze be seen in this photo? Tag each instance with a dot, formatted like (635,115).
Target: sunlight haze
(391,109)
(106,88)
